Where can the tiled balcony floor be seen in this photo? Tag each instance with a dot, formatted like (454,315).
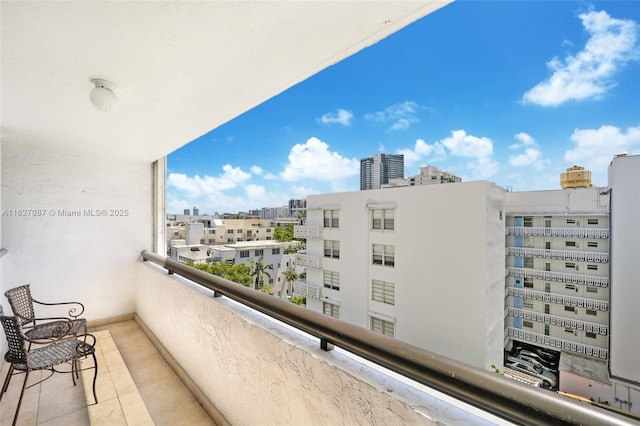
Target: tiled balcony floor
(57,402)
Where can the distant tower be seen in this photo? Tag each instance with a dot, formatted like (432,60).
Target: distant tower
(576,177)
(380,169)
(187,212)
(196,212)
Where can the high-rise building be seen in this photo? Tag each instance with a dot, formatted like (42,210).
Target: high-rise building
(187,212)
(380,169)
(196,211)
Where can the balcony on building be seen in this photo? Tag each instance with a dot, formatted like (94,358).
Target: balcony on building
(83,196)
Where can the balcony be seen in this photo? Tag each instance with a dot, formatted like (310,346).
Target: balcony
(309,290)
(559,277)
(559,321)
(576,256)
(308,261)
(560,299)
(558,344)
(596,233)
(307,232)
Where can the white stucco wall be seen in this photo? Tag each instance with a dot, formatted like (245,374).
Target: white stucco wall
(256,371)
(85,258)
(449,265)
(624,176)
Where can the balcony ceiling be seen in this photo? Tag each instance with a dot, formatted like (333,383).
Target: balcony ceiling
(181,68)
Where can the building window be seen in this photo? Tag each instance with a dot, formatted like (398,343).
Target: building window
(229,231)
(546,329)
(528,304)
(570,286)
(332,249)
(528,262)
(211,241)
(268,230)
(570,265)
(383,327)
(546,308)
(592,289)
(527,324)
(569,308)
(383,255)
(229,240)
(176,234)
(528,221)
(244,254)
(239,231)
(592,267)
(547,221)
(591,312)
(571,221)
(383,292)
(547,266)
(528,283)
(547,245)
(590,335)
(331,219)
(570,243)
(331,309)
(383,219)
(275,251)
(592,221)
(332,279)
(593,244)
(547,287)
(212,231)
(568,330)
(259,252)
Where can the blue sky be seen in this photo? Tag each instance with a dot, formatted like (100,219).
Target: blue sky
(510,92)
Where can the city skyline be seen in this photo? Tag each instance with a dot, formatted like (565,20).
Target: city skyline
(510,92)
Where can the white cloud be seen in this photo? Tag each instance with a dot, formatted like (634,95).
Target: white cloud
(340,116)
(401,115)
(477,151)
(461,144)
(531,156)
(196,186)
(256,170)
(595,148)
(588,74)
(313,160)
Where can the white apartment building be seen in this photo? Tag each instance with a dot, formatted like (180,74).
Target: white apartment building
(431,175)
(422,264)
(469,269)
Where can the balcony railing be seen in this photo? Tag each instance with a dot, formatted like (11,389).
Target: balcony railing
(506,398)
(562,277)
(596,233)
(308,261)
(554,342)
(577,256)
(309,290)
(308,232)
(573,324)
(560,299)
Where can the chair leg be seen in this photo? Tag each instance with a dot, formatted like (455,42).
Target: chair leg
(95,376)
(5,385)
(24,386)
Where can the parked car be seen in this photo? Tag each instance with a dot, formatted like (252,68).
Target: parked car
(541,360)
(548,379)
(534,361)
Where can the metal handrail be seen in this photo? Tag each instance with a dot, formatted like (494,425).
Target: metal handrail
(491,392)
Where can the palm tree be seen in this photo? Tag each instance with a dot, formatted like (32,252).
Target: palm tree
(290,275)
(259,270)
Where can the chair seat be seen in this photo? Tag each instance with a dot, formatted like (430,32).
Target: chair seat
(55,354)
(55,329)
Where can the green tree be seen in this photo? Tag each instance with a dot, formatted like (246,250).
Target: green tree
(299,300)
(267,289)
(290,275)
(238,273)
(258,270)
(283,233)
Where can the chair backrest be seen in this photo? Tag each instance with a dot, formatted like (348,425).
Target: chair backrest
(17,353)
(21,303)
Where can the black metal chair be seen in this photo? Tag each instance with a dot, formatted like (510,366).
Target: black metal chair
(44,330)
(52,357)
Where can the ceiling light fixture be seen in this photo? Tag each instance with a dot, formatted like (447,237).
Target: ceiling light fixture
(102,96)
